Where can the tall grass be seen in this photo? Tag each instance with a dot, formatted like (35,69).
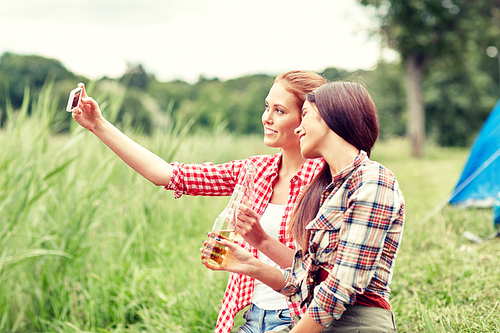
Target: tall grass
(87,245)
(442,282)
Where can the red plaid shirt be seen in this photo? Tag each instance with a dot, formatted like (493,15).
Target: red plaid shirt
(355,237)
(219,180)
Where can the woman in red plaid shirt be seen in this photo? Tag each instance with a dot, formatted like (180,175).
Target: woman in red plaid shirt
(348,223)
(278,181)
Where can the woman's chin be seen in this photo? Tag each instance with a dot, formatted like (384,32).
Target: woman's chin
(270,143)
(308,154)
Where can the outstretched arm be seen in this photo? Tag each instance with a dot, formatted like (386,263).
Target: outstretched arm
(146,163)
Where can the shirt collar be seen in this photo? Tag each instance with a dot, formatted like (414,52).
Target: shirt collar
(344,173)
(304,174)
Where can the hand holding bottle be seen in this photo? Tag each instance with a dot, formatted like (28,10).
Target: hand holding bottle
(225,224)
(236,259)
(249,226)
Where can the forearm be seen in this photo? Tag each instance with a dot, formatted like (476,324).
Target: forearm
(146,163)
(307,325)
(268,275)
(277,251)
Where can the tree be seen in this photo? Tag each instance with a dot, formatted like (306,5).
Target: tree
(386,86)
(21,70)
(424,31)
(136,77)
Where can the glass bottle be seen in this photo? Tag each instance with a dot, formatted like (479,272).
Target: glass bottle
(225,224)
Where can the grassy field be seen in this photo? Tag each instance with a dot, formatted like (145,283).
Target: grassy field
(87,245)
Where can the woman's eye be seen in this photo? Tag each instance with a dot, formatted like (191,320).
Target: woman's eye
(279,111)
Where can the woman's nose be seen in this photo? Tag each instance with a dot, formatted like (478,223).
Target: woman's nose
(298,130)
(266,117)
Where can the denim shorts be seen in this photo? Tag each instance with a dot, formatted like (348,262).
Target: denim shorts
(260,321)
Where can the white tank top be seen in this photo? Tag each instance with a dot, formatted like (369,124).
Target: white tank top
(263,296)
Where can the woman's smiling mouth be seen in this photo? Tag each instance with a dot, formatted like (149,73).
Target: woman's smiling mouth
(269,131)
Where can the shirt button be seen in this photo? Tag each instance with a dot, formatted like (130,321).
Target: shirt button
(311,280)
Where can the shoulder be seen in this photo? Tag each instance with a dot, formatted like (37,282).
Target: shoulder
(311,168)
(373,179)
(370,171)
(314,163)
(263,161)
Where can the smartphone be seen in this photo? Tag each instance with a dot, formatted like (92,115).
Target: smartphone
(75,97)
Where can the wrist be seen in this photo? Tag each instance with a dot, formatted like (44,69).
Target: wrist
(99,126)
(263,241)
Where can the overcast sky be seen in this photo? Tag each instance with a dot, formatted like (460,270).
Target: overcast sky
(183,39)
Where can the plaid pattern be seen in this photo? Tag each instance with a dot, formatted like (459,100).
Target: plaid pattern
(355,237)
(219,180)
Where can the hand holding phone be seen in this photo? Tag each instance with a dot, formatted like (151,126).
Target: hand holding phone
(86,111)
(75,96)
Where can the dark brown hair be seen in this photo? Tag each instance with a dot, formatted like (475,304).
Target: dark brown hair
(300,83)
(349,111)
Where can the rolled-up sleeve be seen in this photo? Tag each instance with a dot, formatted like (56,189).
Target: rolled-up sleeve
(204,179)
(290,288)
(318,314)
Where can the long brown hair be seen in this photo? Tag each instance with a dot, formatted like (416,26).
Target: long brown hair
(349,111)
(300,83)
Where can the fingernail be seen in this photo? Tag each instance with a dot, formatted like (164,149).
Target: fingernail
(218,238)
